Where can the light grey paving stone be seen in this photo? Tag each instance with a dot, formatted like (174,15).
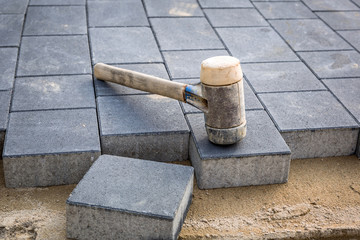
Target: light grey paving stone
(235,17)
(332,64)
(260,44)
(10,29)
(44,148)
(5,97)
(118,198)
(55,20)
(330,5)
(187,64)
(143,126)
(169,8)
(279,77)
(309,35)
(124,45)
(8,58)
(57,2)
(185,34)
(117,13)
(225,3)
(352,37)
(314,124)
(53,92)
(283,10)
(104,88)
(342,20)
(13,6)
(262,157)
(57,55)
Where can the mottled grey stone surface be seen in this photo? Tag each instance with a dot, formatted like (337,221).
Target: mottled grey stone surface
(53,92)
(332,64)
(342,20)
(225,3)
(278,77)
(352,37)
(260,44)
(329,5)
(124,45)
(8,57)
(57,55)
(57,2)
(117,13)
(173,34)
(309,35)
(10,29)
(262,157)
(118,198)
(283,10)
(143,126)
(5,97)
(181,8)
(13,6)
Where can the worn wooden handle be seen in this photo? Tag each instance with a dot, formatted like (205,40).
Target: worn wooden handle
(140,81)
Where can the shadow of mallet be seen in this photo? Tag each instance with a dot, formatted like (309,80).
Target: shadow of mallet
(220,95)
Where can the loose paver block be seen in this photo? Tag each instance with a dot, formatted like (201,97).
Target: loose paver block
(309,35)
(143,126)
(13,6)
(170,8)
(55,20)
(8,57)
(260,44)
(56,2)
(283,10)
(262,157)
(225,4)
(126,198)
(235,18)
(279,77)
(57,55)
(314,124)
(10,29)
(117,13)
(173,34)
(333,64)
(124,45)
(342,20)
(352,37)
(5,97)
(44,148)
(53,92)
(330,5)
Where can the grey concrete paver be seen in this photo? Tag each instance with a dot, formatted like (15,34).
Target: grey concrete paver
(330,5)
(225,4)
(168,8)
(10,29)
(352,37)
(14,6)
(56,2)
(341,20)
(283,10)
(8,58)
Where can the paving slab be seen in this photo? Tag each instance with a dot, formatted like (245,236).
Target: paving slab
(143,126)
(260,44)
(173,34)
(314,124)
(262,157)
(14,6)
(45,148)
(284,10)
(342,20)
(57,55)
(123,45)
(55,20)
(281,77)
(131,205)
(225,4)
(330,5)
(117,13)
(352,37)
(333,64)
(8,58)
(56,2)
(53,92)
(10,29)
(171,8)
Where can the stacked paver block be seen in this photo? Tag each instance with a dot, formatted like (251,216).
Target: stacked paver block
(124,198)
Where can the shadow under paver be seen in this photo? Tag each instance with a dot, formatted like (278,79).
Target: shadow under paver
(143,126)
(13,6)
(314,124)
(169,8)
(5,97)
(45,148)
(173,34)
(342,20)
(57,55)
(8,58)
(309,35)
(260,44)
(352,37)
(225,4)
(283,10)
(124,45)
(128,198)
(117,13)
(57,2)
(10,29)
(330,5)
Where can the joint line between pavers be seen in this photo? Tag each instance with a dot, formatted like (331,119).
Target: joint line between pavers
(153,17)
(225,8)
(53,75)
(46,153)
(145,133)
(51,109)
(316,11)
(62,5)
(125,26)
(351,127)
(333,50)
(55,35)
(190,49)
(295,91)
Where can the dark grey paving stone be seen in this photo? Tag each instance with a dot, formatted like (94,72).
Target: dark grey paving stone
(314,124)
(262,157)
(309,35)
(283,10)
(55,92)
(10,29)
(185,34)
(169,8)
(333,63)
(330,5)
(56,2)
(143,126)
(13,6)
(55,20)
(187,64)
(5,97)
(124,45)
(279,77)
(342,20)
(8,58)
(225,3)
(104,88)
(117,13)
(260,44)
(352,37)
(235,18)
(131,205)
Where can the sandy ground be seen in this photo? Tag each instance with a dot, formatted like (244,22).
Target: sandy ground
(320,201)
